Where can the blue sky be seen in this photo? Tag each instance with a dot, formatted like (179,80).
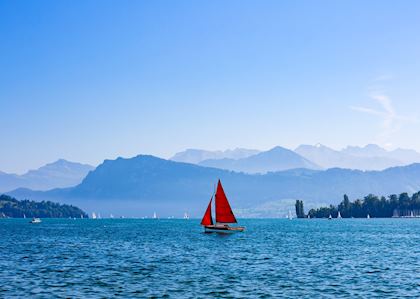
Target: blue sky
(90,80)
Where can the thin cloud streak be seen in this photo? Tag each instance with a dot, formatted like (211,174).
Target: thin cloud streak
(391,122)
(366,110)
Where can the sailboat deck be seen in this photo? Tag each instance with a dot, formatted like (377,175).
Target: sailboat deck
(224,228)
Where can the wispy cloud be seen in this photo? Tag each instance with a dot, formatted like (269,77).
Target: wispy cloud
(391,121)
(383,77)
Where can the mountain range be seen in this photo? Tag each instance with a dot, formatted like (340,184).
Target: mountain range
(259,183)
(275,159)
(144,184)
(196,156)
(58,174)
(351,158)
(369,157)
(62,173)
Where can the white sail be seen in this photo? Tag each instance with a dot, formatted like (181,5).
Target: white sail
(186,216)
(368,216)
(339,215)
(111,216)
(154,215)
(93,215)
(290,215)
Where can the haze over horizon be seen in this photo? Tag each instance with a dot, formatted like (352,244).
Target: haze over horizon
(138,78)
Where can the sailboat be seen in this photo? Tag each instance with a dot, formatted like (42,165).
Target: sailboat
(290,215)
(368,216)
(93,215)
(154,215)
(330,217)
(35,220)
(224,214)
(186,216)
(339,215)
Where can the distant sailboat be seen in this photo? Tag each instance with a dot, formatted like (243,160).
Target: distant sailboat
(186,216)
(99,216)
(93,215)
(339,215)
(290,215)
(154,215)
(111,216)
(330,217)
(35,220)
(368,216)
(24,216)
(81,216)
(224,214)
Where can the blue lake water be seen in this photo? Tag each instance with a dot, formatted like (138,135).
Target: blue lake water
(172,258)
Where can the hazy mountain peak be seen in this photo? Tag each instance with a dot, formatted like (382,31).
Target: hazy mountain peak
(60,166)
(318,147)
(277,149)
(369,150)
(373,146)
(368,157)
(196,156)
(57,174)
(276,159)
(407,156)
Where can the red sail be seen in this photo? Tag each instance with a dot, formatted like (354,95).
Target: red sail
(224,213)
(207,219)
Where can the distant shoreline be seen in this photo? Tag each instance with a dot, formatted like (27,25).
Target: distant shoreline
(371,206)
(12,208)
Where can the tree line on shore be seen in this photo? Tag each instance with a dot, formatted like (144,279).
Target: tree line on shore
(372,205)
(12,208)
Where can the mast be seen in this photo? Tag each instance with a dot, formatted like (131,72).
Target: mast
(224,212)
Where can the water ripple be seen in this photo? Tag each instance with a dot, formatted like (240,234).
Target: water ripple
(351,258)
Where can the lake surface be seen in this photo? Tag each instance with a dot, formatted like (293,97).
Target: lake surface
(348,258)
